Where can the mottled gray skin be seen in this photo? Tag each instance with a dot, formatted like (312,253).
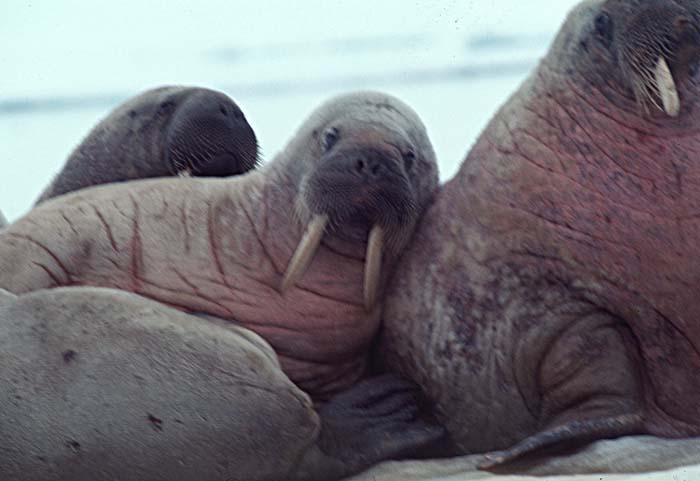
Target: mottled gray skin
(101,384)
(162,132)
(219,247)
(550,293)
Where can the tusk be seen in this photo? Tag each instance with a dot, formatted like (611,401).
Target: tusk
(667,88)
(373,265)
(305,251)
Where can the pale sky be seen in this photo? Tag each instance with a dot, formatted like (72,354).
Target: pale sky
(66,63)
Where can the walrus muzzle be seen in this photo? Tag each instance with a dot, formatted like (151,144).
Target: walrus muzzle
(210,137)
(658,48)
(365,187)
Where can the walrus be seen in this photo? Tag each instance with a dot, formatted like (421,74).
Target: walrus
(549,295)
(298,251)
(640,458)
(162,132)
(102,384)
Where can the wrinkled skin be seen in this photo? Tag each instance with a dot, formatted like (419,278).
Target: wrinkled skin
(160,133)
(550,294)
(219,248)
(101,384)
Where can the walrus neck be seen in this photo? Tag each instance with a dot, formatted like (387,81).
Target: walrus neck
(553,127)
(606,97)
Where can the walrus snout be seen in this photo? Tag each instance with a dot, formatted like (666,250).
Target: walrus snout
(659,47)
(368,166)
(359,184)
(684,63)
(209,136)
(371,185)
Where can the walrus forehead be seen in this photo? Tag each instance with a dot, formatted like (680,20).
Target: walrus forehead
(378,136)
(394,121)
(376,131)
(624,11)
(370,106)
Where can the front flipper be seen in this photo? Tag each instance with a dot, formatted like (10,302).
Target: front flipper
(375,420)
(575,431)
(590,389)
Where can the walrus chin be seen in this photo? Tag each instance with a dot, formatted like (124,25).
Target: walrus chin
(309,244)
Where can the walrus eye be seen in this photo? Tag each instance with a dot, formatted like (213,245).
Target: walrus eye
(604,28)
(330,137)
(408,158)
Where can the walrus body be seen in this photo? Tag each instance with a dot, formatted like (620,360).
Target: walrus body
(550,293)
(162,132)
(101,384)
(357,173)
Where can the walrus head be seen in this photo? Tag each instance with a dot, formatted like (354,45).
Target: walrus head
(649,50)
(364,170)
(208,136)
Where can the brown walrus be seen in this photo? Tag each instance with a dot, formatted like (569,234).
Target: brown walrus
(549,296)
(357,175)
(162,132)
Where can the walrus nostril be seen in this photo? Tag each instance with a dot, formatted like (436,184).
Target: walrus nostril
(368,168)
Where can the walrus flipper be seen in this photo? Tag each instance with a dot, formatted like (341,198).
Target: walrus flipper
(590,389)
(374,420)
(575,431)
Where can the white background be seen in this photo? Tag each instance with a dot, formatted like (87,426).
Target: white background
(64,64)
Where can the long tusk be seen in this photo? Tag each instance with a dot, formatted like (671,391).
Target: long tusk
(373,265)
(667,88)
(305,251)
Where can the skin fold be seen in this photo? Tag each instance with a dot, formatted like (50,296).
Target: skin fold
(549,295)
(222,248)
